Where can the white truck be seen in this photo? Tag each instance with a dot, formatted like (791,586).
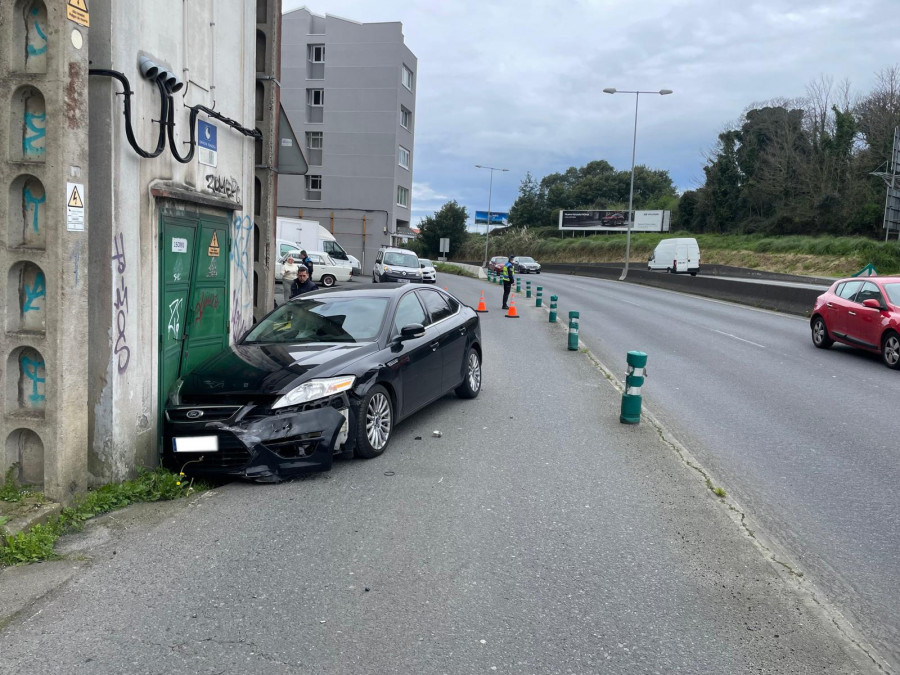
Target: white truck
(299,233)
(678,255)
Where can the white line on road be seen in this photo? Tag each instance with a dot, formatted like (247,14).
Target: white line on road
(756,344)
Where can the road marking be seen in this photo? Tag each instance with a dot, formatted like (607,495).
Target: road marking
(756,344)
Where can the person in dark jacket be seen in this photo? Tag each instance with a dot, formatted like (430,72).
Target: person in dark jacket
(303,284)
(305,260)
(507,275)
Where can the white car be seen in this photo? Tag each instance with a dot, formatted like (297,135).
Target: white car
(429,274)
(325,271)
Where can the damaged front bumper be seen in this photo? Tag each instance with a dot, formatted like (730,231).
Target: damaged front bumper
(240,442)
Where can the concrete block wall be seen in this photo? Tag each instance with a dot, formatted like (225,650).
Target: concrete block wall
(43,245)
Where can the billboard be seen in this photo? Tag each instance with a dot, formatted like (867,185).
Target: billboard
(614,221)
(497,218)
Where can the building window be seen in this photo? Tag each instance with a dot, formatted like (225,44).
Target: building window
(315,97)
(407,78)
(405,118)
(316,53)
(314,188)
(403,157)
(314,143)
(402,196)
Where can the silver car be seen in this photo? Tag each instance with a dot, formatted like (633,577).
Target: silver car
(429,274)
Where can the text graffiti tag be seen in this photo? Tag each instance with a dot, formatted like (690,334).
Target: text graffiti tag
(122,351)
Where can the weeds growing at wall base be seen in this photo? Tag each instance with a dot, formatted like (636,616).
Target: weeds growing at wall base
(36,544)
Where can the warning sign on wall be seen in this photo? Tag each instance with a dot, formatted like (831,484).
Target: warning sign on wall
(75,198)
(214,246)
(77,11)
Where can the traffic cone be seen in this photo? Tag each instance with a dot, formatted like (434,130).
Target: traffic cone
(511,313)
(481,306)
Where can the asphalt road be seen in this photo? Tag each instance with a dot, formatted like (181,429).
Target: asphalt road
(804,439)
(537,534)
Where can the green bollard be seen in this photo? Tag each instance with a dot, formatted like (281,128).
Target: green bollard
(527,289)
(518,285)
(553,300)
(573,331)
(631,399)
(538,302)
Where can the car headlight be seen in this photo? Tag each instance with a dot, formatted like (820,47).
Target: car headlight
(175,392)
(314,390)
(387,269)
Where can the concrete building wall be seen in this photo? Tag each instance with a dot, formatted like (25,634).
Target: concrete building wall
(211,47)
(361,127)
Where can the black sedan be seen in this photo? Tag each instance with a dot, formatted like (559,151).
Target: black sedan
(329,372)
(526,265)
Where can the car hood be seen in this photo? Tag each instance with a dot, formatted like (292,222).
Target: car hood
(271,368)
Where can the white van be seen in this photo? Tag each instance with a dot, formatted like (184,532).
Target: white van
(680,255)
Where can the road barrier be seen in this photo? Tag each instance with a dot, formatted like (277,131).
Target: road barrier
(573,331)
(553,300)
(538,298)
(631,399)
(527,289)
(511,313)
(518,285)
(481,306)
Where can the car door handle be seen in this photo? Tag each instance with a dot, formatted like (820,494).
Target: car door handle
(829,305)
(462,330)
(851,313)
(434,345)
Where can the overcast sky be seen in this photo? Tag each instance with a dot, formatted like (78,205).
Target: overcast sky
(517,84)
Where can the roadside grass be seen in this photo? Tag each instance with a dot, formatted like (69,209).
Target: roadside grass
(37,543)
(816,256)
(449,268)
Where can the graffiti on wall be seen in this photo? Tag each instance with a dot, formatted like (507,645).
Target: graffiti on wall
(37,39)
(242,293)
(33,293)
(35,131)
(228,187)
(174,326)
(32,204)
(33,369)
(122,350)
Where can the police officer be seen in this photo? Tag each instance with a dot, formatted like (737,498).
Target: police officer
(305,260)
(508,277)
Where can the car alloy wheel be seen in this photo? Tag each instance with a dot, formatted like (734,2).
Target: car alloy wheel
(471,384)
(379,420)
(890,350)
(820,335)
(328,281)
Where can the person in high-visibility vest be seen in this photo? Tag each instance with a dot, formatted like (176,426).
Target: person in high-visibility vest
(507,275)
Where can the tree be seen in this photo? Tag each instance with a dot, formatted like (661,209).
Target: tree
(449,222)
(530,208)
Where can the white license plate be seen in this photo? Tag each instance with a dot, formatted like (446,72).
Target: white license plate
(402,281)
(196,444)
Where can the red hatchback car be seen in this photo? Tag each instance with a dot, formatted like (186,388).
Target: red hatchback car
(860,312)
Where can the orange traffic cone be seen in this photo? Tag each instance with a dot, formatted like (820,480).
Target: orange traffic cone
(481,306)
(511,313)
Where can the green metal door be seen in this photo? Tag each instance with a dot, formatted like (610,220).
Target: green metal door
(193,299)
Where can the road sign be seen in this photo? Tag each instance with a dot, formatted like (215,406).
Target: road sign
(445,245)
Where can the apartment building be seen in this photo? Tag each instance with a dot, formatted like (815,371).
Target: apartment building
(349,91)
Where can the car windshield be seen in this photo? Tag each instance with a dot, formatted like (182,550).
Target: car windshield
(424,261)
(322,319)
(893,293)
(525,259)
(400,259)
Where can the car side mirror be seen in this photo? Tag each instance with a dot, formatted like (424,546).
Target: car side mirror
(873,303)
(413,330)
(421,266)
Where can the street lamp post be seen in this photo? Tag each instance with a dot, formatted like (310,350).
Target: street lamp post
(487,230)
(637,96)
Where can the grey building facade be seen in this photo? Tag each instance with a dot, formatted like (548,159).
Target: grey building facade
(349,91)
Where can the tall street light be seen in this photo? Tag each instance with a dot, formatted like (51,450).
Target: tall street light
(487,231)
(637,96)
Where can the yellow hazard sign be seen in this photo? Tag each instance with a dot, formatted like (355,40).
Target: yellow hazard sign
(77,11)
(214,246)
(75,199)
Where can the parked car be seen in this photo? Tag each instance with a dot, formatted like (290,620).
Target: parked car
(325,270)
(396,264)
(496,263)
(329,372)
(429,274)
(525,265)
(860,312)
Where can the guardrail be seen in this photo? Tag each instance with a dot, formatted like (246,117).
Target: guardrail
(781,298)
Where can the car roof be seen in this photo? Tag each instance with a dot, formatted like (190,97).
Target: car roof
(884,280)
